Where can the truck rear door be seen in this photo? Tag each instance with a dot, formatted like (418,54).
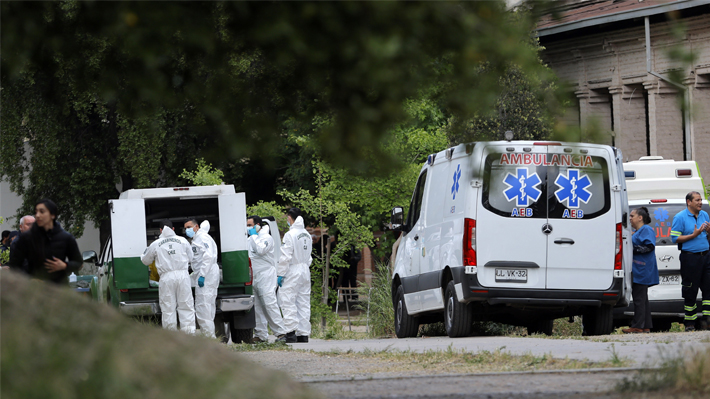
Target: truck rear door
(233,238)
(128,237)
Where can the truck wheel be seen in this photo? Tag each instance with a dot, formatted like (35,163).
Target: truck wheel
(457,316)
(541,327)
(221,328)
(241,335)
(598,321)
(405,326)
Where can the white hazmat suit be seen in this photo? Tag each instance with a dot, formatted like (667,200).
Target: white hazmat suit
(171,254)
(294,266)
(204,251)
(261,253)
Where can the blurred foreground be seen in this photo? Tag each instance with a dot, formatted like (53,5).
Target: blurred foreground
(55,343)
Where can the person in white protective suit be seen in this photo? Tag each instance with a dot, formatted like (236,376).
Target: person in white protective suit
(294,278)
(205,274)
(171,254)
(261,252)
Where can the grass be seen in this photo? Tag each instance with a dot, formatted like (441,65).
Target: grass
(677,376)
(58,344)
(452,360)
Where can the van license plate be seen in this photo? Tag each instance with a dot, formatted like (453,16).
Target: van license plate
(512,275)
(673,279)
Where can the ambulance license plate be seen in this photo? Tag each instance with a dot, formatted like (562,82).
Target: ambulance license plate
(672,279)
(512,275)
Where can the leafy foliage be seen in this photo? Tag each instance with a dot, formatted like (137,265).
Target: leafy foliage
(204,175)
(100,93)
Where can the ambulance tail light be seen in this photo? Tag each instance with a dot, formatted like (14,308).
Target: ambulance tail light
(469,242)
(619,248)
(683,173)
(251,274)
(658,201)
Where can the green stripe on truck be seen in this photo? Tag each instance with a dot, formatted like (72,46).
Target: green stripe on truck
(235,267)
(130,273)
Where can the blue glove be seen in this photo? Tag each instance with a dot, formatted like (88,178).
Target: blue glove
(280,280)
(201,281)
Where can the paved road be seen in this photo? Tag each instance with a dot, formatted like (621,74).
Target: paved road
(641,349)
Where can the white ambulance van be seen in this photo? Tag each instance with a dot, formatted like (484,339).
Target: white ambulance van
(518,232)
(661,186)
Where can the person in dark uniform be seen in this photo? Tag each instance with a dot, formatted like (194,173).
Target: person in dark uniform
(689,231)
(51,252)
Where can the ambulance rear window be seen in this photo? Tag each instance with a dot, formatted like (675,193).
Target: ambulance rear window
(662,219)
(546,185)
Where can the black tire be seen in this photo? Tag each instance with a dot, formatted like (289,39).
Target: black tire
(663,325)
(458,319)
(405,326)
(241,335)
(541,327)
(221,328)
(598,321)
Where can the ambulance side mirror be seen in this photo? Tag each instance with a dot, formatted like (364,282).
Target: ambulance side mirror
(89,257)
(397,218)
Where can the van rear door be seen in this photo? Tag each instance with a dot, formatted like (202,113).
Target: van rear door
(511,248)
(128,234)
(581,216)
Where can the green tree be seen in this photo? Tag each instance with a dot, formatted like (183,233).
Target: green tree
(100,93)
(204,174)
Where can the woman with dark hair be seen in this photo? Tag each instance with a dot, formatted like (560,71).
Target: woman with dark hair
(51,252)
(644,270)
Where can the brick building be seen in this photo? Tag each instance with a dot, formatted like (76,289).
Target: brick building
(614,54)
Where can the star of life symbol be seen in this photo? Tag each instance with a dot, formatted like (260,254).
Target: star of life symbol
(457,177)
(522,187)
(573,188)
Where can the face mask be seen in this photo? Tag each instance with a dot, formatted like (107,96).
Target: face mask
(190,232)
(252,231)
(288,223)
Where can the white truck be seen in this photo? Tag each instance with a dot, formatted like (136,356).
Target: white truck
(518,232)
(122,279)
(661,186)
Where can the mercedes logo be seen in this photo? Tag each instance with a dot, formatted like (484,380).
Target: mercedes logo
(546,228)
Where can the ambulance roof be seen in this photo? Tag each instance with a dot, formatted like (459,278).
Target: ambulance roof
(182,192)
(658,178)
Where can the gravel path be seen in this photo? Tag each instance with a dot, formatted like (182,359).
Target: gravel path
(345,377)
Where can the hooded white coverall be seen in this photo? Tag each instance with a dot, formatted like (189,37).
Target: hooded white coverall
(295,291)
(204,264)
(171,254)
(261,253)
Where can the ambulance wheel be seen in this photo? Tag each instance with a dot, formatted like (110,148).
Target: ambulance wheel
(598,321)
(457,316)
(541,327)
(242,335)
(405,326)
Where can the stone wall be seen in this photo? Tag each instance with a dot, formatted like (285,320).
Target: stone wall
(635,110)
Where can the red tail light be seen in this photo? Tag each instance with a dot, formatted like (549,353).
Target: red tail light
(469,242)
(619,248)
(123,290)
(251,274)
(658,201)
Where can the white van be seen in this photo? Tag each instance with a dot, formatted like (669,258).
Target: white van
(661,186)
(518,232)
